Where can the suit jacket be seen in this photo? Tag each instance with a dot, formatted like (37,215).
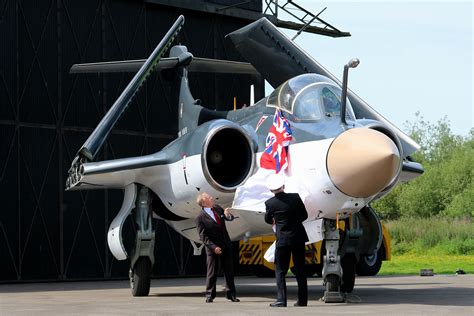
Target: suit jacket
(212,234)
(289,213)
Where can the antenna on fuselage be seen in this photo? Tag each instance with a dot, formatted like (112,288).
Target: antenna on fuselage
(252,95)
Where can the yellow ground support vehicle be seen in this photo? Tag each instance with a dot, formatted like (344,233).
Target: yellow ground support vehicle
(251,254)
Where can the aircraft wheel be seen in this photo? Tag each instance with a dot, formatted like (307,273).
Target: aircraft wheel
(332,283)
(318,270)
(348,264)
(140,277)
(370,265)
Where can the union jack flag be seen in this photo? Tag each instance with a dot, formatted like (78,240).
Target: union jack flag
(275,155)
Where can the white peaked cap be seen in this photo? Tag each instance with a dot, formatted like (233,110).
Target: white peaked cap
(275,181)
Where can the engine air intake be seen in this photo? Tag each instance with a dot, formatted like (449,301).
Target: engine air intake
(228,158)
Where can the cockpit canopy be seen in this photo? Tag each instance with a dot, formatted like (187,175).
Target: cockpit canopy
(308,97)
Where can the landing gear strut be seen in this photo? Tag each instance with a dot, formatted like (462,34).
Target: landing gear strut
(142,258)
(332,270)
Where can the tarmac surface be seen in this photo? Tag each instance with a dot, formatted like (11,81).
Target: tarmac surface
(406,295)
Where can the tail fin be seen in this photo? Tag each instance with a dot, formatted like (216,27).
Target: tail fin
(189,109)
(179,62)
(190,113)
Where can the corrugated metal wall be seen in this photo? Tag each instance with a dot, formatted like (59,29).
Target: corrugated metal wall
(46,114)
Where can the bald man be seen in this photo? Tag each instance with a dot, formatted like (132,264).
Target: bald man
(211,227)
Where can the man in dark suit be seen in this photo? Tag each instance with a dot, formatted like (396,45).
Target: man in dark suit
(287,212)
(211,227)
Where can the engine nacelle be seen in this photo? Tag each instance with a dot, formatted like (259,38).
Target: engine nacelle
(217,157)
(228,156)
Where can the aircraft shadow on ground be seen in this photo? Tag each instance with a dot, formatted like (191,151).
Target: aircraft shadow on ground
(251,290)
(443,296)
(398,284)
(367,294)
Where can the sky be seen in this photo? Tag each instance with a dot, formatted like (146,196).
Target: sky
(414,56)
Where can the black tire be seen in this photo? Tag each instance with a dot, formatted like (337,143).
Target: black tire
(369,265)
(140,277)
(319,270)
(332,283)
(348,264)
(263,272)
(311,269)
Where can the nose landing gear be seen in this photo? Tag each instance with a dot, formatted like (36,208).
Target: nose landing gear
(332,269)
(338,274)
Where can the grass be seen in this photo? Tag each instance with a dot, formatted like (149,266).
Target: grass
(432,236)
(441,244)
(441,264)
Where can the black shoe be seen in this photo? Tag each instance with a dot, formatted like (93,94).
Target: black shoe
(233,299)
(300,304)
(278,304)
(209,299)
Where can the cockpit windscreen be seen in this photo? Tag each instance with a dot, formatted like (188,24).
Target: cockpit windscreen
(307,97)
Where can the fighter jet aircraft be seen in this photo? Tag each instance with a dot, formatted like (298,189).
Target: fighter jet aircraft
(342,156)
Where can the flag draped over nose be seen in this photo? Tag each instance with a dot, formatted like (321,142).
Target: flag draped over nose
(275,155)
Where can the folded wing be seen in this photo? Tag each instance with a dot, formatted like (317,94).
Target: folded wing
(283,59)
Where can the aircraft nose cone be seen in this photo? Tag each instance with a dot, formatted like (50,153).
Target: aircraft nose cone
(361,162)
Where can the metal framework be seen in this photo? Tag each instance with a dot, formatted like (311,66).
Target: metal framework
(307,21)
(251,10)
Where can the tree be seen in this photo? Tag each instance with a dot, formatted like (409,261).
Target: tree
(462,204)
(446,186)
(436,140)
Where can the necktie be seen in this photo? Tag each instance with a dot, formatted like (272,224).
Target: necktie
(217,217)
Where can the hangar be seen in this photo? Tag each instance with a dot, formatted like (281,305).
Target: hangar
(47,234)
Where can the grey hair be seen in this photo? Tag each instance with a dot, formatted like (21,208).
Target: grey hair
(200,198)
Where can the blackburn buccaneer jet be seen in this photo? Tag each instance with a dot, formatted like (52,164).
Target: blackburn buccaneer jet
(343,155)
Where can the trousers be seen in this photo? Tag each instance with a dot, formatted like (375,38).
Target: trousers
(282,263)
(226,262)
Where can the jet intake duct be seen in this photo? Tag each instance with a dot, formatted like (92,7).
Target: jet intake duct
(228,156)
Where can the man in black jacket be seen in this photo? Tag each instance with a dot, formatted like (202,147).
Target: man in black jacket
(287,212)
(211,227)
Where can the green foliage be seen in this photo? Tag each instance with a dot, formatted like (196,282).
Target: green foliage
(446,187)
(432,236)
(436,140)
(433,192)
(462,204)
(388,207)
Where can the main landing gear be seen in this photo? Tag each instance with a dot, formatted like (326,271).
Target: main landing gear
(142,259)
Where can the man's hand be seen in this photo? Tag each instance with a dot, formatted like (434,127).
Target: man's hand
(218,250)
(228,214)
